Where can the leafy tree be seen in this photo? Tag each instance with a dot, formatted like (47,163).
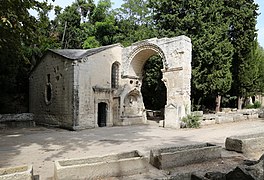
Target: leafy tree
(204,22)
(243,16)
(134,22)
(259,83)
(17,29)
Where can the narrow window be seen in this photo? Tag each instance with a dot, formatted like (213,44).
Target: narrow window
(48,91)
(115,75)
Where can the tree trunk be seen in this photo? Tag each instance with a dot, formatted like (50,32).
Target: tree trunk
(217,103)
(239,102)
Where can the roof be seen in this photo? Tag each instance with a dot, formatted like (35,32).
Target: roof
(75,54)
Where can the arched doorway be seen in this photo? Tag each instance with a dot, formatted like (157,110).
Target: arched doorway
(153,89)
(102,114)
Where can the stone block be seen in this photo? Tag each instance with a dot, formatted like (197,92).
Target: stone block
(17,120)
(247,144)
(197,113)
(209,117)
(226,110)
(224,119)
(161,123)
(239,117)
(172,116)
(207,122)
(17,173)
(115,165)
(183,155)
(252,116)
(240,173)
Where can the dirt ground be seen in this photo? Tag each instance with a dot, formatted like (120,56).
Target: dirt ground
(41,146)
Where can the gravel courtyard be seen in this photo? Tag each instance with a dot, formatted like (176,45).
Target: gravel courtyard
(41,146)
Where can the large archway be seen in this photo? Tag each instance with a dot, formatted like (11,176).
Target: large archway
(175,55)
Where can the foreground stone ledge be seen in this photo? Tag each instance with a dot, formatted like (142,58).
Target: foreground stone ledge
(17,173)
(16,120)
(246,144)
(115,165)
(170,157)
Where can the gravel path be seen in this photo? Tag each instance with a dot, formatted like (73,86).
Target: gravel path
(41,146)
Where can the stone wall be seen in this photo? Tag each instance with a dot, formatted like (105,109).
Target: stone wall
(228,115)
(16,120)
(93,82)
(56,105)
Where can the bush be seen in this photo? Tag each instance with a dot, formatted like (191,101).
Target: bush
(256,105)
(191,121)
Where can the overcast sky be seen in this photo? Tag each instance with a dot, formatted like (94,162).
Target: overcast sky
(117,3)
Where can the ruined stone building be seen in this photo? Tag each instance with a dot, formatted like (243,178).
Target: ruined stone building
(78,89)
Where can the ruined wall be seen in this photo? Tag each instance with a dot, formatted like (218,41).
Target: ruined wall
(94,81)
(51,91)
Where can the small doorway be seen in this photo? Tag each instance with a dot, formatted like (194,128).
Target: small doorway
(102,114)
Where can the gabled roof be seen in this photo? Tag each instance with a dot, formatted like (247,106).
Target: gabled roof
(75,54)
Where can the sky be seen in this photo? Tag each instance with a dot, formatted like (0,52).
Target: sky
(117,3)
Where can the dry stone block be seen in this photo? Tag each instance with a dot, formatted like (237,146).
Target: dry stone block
(252,116)
(197,113)
(207,122)
(17,173)
(183,155)
(240,117)
(247,144)
(114,165)
(224,119)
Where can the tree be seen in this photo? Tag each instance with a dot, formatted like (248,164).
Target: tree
(259,82)
(204,23)
(134,22)
(243,17)
(17,29)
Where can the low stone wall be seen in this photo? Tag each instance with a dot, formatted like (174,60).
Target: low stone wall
(248,144)
(17,173)
(228,115)
(170,157)
(16,120)
(115,165)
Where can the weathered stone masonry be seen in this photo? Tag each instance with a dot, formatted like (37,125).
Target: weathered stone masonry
(79,89)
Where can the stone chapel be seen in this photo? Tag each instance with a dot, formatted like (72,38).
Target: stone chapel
(79,89)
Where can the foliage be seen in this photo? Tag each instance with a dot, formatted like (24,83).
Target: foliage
(191,121)
(255,105)
(242,34)
(205,23)
(134,22)
(17,29)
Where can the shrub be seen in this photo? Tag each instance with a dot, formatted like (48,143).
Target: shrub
(256,105)
(191,121)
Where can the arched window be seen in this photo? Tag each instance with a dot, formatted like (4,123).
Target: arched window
(115,75)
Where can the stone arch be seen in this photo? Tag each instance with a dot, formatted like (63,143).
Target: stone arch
(176,54)
(141,54)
